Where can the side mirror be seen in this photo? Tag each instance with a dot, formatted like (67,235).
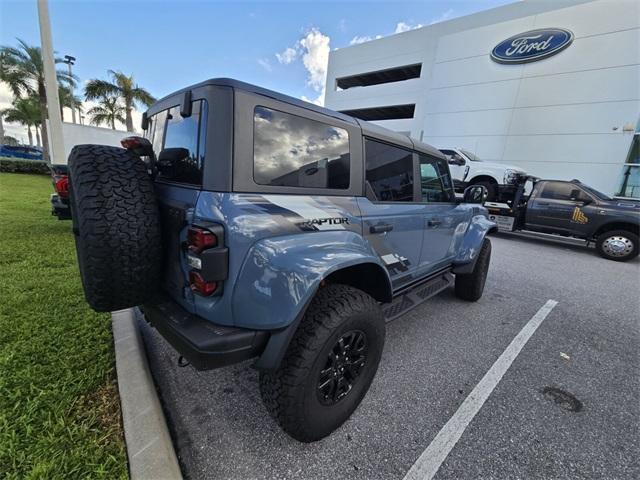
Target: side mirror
(577,196)
(475,194)
(456,161)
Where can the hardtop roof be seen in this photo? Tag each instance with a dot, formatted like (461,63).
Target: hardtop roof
(368,129)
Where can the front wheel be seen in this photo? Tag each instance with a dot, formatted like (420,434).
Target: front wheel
(329,364)
(618,245)
(471,285)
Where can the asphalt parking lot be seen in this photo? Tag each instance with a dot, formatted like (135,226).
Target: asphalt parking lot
(588,347)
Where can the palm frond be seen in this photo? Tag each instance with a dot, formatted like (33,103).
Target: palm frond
(95,89)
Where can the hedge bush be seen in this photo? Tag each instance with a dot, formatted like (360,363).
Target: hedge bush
(17,165)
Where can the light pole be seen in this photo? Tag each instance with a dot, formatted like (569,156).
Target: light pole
(56,146)
(69,60)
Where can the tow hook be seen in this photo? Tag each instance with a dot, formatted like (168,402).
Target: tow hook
(183,362)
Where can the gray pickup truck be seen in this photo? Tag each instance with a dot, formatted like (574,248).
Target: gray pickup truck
(252,224)
(572,209)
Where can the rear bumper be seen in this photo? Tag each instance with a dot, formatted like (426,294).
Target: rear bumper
(204,344)
(60,208)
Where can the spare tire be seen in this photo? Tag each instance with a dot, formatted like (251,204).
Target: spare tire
(116,224)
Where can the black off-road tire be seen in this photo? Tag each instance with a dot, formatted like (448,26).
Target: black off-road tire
(620,235)
(492,189)
(291,393)
(471,285)
(116,225)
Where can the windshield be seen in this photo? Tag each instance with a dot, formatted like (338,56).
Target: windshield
(595,192)
(470,156)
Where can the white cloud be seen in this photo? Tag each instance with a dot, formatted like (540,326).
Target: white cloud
(405,27)
(446,15)
(288,55)
(356,40)
(313,48)
(266,64)
(315,58)
(319,100)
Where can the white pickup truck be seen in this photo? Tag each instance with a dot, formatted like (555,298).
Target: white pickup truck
(467,169)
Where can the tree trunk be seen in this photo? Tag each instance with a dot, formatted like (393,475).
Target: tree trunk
(38,144)
(129,119)
(30,135)
(113,123)
(42,97)
(1,130)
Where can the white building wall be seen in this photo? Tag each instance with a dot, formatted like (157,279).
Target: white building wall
(562,117)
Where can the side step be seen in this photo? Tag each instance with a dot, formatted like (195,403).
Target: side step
(417,295)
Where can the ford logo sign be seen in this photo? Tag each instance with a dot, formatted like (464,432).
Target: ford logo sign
(532,46)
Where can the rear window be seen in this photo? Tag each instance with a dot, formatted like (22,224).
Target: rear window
(294,151)
(179,143)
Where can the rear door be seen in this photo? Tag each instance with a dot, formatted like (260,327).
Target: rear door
(392,219)
(441,217)
(179,146)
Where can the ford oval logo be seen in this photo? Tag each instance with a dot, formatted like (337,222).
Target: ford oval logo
(531,46)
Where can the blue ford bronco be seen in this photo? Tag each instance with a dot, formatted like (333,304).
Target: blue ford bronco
(249,224)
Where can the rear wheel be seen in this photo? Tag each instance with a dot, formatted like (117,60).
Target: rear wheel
(470,286)
(618,245)
(329,364)
(116,225)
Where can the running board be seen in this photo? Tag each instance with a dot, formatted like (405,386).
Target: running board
(416,295)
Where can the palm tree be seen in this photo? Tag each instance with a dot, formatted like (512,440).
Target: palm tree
(21,68)
(122,87)
(25,111)
(108,111)
(67,99)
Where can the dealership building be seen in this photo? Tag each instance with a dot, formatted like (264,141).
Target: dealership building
(551,87)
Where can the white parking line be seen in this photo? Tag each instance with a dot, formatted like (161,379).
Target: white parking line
(429,462)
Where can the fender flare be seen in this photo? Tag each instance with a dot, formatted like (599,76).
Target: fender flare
(280,276)
(479,227)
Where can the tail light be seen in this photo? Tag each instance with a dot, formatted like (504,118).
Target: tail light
(61,185)
(208,258)
(200,285)
(200,239)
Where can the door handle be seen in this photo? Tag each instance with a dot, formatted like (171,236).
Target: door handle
(381,228)
(433,223)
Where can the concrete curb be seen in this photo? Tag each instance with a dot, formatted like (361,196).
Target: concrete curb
(149,448)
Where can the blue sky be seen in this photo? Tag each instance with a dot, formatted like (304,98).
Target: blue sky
(170,44)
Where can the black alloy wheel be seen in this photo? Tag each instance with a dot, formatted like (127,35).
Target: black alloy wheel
(345,362)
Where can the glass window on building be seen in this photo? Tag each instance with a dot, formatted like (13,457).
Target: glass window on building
(630,179)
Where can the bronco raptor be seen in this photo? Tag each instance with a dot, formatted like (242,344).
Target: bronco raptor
(251,224)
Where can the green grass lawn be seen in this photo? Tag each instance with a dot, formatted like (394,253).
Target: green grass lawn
(59,406)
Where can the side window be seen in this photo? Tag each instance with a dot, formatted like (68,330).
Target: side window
(435,180)
(294,151)
(389,171)
(557,191)
(182,156)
